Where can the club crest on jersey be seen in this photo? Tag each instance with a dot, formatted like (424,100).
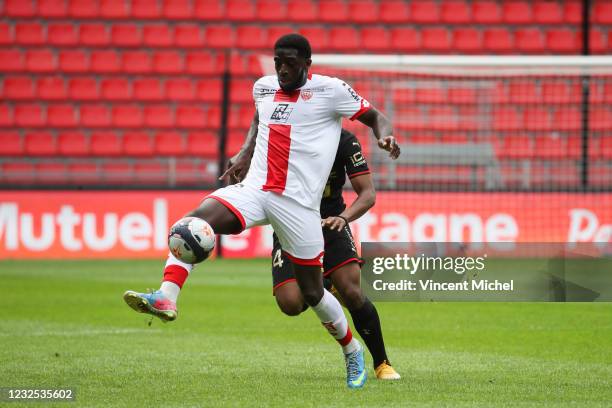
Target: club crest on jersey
(306,94)
(282,112)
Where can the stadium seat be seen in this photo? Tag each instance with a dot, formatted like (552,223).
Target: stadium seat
(271,10)
(6,115)
(157,35)
(213,117)
(208,10)
(83,89)
(467,40)
(568,118)
(136,62)
(517,12)
(146,9)
(219,36)
(424,11)
(114,172)
(114,9)
(29,33)
(188,172)
(574,147)
(251,36)
(375,39)
(498,40)
(6,36)
(537,118)
(170,144)
(486,12)
(158,116)
(240,10)
(302,11)
(317,36)
(599,174)
(405,39)
(105,144)
(275,32)
(605,147)
(115,89)
(235,140)
(443,118)
(151,173)
(84,173)
(333,11)
(517,147)
(29,115)
(430,94)
(410,119)
(600,118)
(572,11)
(18,173)
(96,115)
(127,116)
(10,143)
(40,61)
(83,9)
(462,95)
(73,61)
(179,89)
(168,62)
(529,40)
(204,62)
(394,12)
(94,35)
(345,39)
(556,91)
(547,12)
(52,8)
(602,12)
(363,11)
(148,89)
(51,88)
(11,61)
(188,35)
(241,90)
(105,61)
(203,144)
(435,39)
(137,144)
(72,144)
(63,115)
(209,90)
(191,116)
(507,119)
(19,8)
(548,147)
(53,173)
(62,34)
(177,9)
(563,41)
(597,42)
(455,12)
(18,87)
(126,35)
(40,144)
(523,91)
(607,91)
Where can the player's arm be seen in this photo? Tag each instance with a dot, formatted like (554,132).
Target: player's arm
(383,130)
(366,198)
(239,164)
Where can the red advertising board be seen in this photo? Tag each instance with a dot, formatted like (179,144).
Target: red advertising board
(106,224)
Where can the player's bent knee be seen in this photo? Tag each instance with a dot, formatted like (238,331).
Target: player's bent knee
(290,308)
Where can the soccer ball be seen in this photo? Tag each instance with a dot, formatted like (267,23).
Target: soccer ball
(191,240)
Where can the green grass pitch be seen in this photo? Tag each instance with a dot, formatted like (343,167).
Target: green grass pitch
(64,324)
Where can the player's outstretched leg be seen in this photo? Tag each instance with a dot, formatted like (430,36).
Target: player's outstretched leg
(162,302)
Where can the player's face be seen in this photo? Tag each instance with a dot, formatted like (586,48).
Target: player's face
(291,69)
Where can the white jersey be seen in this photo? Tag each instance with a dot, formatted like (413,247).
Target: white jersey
(298,135)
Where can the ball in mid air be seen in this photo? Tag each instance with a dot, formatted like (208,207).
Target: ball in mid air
(191,240)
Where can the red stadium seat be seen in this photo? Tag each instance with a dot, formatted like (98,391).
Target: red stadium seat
(574,147)
(29,33)
(597,42)
(114,9)
(18,173)
(180,89)
(302,11)
(241,90)
(84,173)
(235,140)
(170,144)
(151,173)
(430,95)
(61,115)
(240,10)
(6,115)
(209,90)
(105,144)
(572,11)
(529,40)
(40,144)
(563,41)
(72,144)
(424,11)
(188,35)
(568,118)
(333,11)
(94,35)
(204,62)
(517,12)
(436,39)
(117,172)
(517,147)
(251,36)
(127,116)
(271,10)
(40,61)
(146,9)
(213,117)
(11,61)
(203,144)
(317,36)
(148,89)
(52,8)
(137,144)
(21,87)
(600,118)
(548,147)
(177,9)
(602,12)
(498,40)
(105,61)
(95,115)
(10,143)
(462,95)
(126,35)
(507,119)
(486,12)
(83,89)
(605,148)
(455,12)
(51,173)
(209,10)
(62,34)
(190,116)
(537,118)
(19,8)
(158,35)
(275,32)
(547,12)
(394,12)
(83,9)
(73,61)
(29,115)
(6,36)
(168,62)
(470,118)
(51,88)
(115,89)
(467,40)
(219,36)
(363,11)
(345,38)
(560,92)
(443,118)
(405,39)
(136,62)
(158,116)
(375,39)
(524,92)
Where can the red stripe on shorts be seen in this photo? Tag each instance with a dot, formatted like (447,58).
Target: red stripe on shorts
(279,143)
(316,261)
(230,207)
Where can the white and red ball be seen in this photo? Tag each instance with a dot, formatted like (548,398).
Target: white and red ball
(191,240)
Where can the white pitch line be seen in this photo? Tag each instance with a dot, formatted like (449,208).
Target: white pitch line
(75,333)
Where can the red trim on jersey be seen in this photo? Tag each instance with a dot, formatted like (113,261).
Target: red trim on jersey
(279,143)
(231,208)
(175,274)
(364,108)
(361,173)
(309,75)
(346,339)
(283,283)
(316,261)
(283,96)
(327,273)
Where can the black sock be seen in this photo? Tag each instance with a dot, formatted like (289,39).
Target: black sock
(367,323)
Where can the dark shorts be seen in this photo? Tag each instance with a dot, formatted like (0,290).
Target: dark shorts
(339,250)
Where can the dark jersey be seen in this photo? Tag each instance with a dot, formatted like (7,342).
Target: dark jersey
(349,162)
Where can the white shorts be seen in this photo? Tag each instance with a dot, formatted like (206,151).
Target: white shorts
(298,227)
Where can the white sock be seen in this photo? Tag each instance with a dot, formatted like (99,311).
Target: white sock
(175,275)
(333,319)
(170,290)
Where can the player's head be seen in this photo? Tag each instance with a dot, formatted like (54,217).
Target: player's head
(292,54)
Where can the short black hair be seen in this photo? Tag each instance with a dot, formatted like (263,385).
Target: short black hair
(297,42)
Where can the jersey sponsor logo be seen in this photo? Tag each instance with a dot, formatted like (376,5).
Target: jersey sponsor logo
(306,94)
(351,91)
(357,159)
(282,112)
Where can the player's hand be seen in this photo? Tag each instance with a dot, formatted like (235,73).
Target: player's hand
(334,223)
(237,168)
(390,144)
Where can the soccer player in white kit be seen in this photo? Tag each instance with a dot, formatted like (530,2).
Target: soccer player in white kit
(282,168)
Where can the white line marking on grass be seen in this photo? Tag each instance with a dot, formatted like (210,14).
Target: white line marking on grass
(82,332)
